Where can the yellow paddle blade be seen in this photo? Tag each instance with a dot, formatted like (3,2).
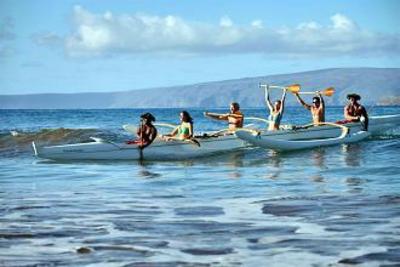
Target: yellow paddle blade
(328,91)
(294,88)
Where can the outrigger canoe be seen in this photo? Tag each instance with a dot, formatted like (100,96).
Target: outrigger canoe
(316,136)
(101,149)
(179,150)
(269,142)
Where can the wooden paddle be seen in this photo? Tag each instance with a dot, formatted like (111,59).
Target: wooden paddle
(294,88)
(326,92)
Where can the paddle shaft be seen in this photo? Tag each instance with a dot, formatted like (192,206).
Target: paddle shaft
(326,92)
(307,93)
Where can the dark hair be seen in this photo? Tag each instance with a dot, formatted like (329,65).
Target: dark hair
(186,116)
(316,98)
(148,116)
(235,105)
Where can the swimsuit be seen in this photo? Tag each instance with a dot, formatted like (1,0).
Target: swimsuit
(184,130)
(275,118)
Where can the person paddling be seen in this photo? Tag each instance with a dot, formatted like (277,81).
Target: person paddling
(355,112)
(184,131)
(235,117)
(276,110)
(317,108)
(146,133)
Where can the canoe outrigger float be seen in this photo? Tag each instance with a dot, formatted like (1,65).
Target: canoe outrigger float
(212,144)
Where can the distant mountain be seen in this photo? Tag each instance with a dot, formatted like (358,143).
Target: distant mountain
(375,85)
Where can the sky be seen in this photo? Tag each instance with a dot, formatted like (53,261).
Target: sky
(49,46)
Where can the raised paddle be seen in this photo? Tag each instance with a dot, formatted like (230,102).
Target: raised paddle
(294,88)
(326,92)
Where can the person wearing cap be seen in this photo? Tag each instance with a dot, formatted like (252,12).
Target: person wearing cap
(355,112)
(235,117)
(146,133)
(317,108)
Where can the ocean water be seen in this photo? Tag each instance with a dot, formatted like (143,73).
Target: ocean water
(333,206)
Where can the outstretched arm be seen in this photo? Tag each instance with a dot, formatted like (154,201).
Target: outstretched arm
(267,100)
(301,101)
(221,117)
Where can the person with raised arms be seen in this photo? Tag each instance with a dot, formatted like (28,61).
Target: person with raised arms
(235,117)
(317,108)
(275,110)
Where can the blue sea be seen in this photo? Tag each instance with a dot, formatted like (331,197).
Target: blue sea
(332,206)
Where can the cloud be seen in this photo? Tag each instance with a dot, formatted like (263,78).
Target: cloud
(109,34)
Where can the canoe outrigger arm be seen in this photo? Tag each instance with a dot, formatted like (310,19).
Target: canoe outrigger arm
(34,148)
(345,130)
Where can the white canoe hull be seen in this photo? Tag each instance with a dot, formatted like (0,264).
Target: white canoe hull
(159,150)
(289,145)
(314,136)
(378,125)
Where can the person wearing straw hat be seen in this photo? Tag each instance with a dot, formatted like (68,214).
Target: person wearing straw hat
(355,112)
(317,108)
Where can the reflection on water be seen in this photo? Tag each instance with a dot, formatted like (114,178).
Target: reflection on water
(318,178)
(146,173)
(274,161)
(234,161)
(318,156)
(352,154)
(355,184)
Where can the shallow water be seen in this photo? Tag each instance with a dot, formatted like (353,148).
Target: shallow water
(336,206)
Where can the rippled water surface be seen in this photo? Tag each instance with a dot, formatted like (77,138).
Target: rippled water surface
(333,206)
